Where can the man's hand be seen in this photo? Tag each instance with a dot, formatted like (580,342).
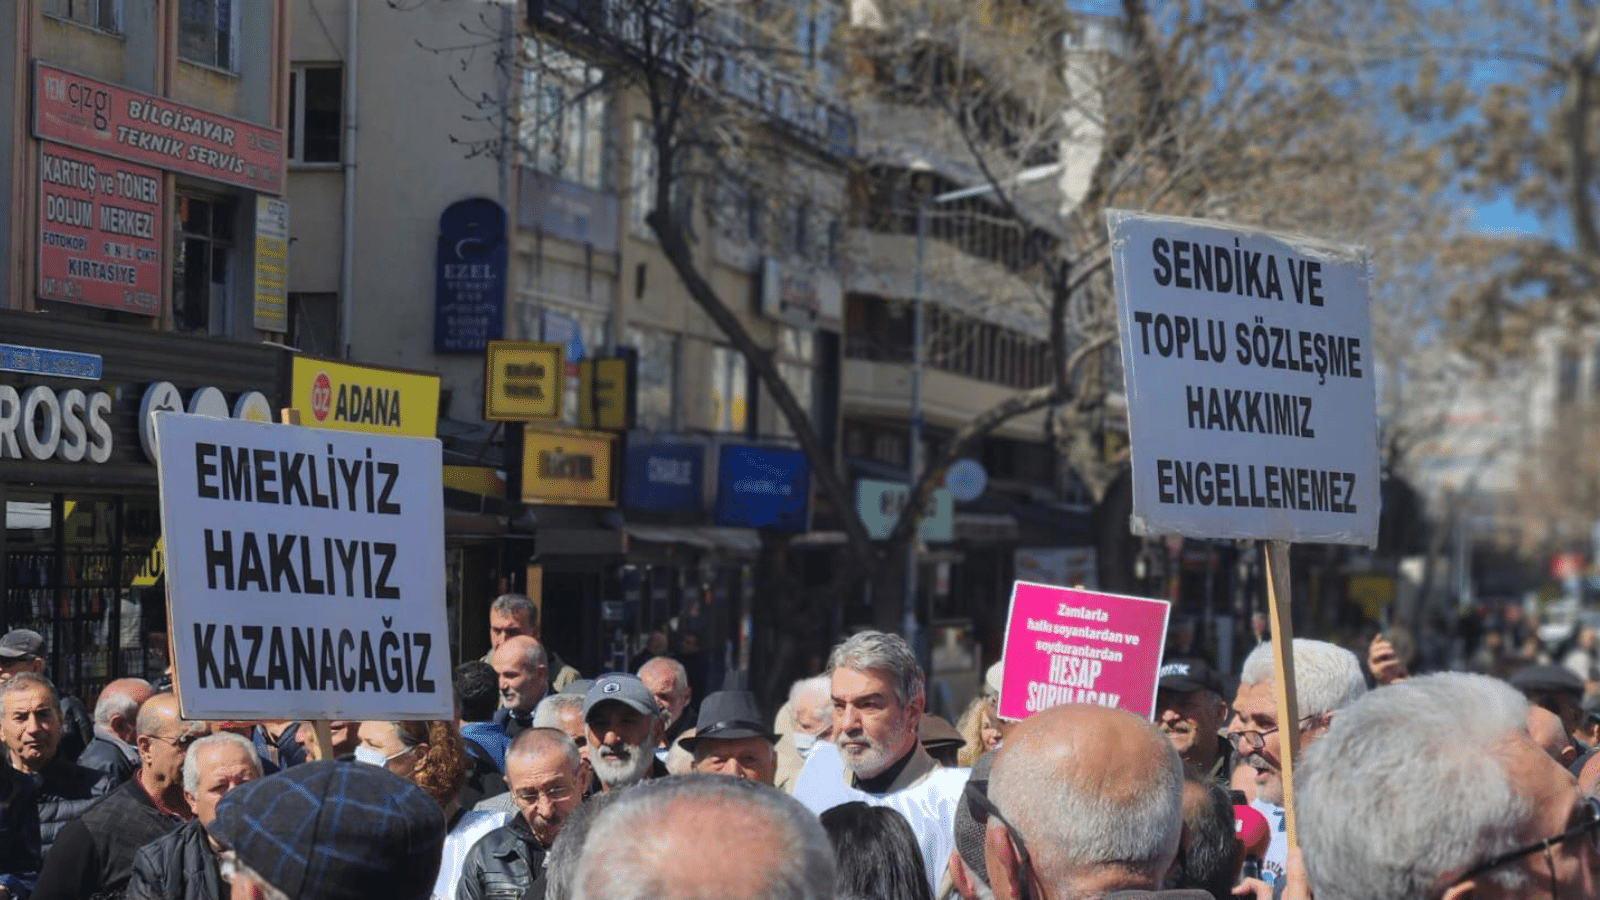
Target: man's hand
(1386,667)
(1253,887)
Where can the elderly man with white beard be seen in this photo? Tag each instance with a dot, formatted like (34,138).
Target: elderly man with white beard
(623,724)
(878,694)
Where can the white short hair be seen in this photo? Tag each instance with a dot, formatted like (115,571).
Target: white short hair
(814,694)
(1326,676)
(1408,787)
(191,760)
(116,703)
(550,710)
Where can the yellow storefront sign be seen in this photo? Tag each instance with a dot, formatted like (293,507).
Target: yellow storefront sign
(604,387)
(567,467)
(345,397)
(523,381)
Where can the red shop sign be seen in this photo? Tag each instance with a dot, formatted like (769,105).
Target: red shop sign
(100,229)
(94,115)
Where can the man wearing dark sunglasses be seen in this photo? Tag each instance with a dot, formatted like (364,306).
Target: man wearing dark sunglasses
(1083,801)
(1433,788)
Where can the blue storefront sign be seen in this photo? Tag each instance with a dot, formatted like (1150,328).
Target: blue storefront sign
(763,487)
(664,477)
(470,276)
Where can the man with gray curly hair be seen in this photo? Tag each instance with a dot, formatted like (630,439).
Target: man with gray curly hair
(1327,678)
(878,696)
(1432,788)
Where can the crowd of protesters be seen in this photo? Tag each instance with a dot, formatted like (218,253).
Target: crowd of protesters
(630,785)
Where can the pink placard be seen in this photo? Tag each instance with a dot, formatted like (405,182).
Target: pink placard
(1071,646)
(107,118)
(100,227)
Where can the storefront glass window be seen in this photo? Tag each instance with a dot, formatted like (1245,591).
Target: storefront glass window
(658,378)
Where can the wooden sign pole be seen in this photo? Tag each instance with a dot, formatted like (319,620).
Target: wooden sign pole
(320,727)
(1283,674)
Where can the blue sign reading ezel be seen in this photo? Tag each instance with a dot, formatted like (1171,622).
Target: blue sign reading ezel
(666,477)
(763,487)
(470,277)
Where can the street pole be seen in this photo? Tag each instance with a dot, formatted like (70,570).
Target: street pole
(908,608)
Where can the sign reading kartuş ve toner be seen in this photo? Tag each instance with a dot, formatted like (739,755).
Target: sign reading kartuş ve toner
(305,571)
(1251,394)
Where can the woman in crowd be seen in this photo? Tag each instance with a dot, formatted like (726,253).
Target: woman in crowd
(876,853)
(980,726)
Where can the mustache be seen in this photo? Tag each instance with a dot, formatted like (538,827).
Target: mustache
(1260,762)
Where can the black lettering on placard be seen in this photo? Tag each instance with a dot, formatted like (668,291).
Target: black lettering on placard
(258,658)
(294,478)
(297,564)
(1205,483)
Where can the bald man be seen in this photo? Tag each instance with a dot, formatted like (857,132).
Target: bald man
(94,854)
(520,665)
(1550,733)
(1095,796)
(114,749)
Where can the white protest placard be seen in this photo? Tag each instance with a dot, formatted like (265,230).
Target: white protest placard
(1252,405)
(305,571)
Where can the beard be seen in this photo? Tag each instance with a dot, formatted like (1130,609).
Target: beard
(614,769)
(1269,783)
(863,756)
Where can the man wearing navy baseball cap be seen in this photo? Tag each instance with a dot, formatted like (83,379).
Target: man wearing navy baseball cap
(1191,712)
(624,725)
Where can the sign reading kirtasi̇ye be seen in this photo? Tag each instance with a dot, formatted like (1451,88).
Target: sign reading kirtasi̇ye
(305,571)
(1250,385)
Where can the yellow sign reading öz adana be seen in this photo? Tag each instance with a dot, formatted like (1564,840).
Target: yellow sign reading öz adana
(564,466)
(523,380)
(363,398)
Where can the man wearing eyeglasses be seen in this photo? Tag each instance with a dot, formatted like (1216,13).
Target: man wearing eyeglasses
(95,853)
(1434,789)
(546,777)
(1327,677)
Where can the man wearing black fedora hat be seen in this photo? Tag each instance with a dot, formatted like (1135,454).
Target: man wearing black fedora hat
(729,738)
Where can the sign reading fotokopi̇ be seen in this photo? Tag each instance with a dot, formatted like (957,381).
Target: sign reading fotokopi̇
(523,381)
(567,467)
(363,398)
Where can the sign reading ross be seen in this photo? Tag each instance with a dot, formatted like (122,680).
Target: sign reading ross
(523,381)
(94,115)
(1251,397)
(1069,646)
(763,487)
(567,467)
(100,227)
(363,398)
(305,571)
(272,264)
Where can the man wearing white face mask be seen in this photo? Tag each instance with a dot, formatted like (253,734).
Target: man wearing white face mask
(811,708)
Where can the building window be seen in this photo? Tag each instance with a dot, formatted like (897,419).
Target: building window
(208,33)
(202,274)
(562,128)
(105,15)
(797,366)
(642,177)
(730,390)
(657,391)
(314,323)
(315,113)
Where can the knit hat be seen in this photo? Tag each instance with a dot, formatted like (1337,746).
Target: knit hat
(335,831)
(970,823)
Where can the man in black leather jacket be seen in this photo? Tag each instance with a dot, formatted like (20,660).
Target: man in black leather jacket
(183,865)
(546,777)
(30,724)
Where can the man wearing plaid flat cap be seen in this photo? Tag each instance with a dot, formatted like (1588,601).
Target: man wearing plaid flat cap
(330,831)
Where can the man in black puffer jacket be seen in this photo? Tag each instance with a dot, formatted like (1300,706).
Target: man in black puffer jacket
(31,729)
(183,864)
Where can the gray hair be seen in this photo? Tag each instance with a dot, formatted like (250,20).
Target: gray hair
(115,703)
(1326,676)
(562,862)
(191,760)
(680,675)
(814,694)
(883,652)
(532,658)
(801,865)
(1408,787)
(535,741)
(23,681)
(517,606)
(1077,824)
(550,710)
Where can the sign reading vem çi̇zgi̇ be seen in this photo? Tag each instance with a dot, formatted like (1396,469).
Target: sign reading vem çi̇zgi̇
(305,571)
(1251,398)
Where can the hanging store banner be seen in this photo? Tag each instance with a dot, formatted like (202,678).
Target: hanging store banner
(100,227)
(523,381)
(363,398)
(138,127)
(469,297)
(567,467)
(1252,404)
(879,504)
(664,476)
(763,487)
(305,571)
(272,264)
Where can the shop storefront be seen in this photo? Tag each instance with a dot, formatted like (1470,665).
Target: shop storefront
(80,555)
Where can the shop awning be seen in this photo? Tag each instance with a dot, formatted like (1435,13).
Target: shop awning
(704,537)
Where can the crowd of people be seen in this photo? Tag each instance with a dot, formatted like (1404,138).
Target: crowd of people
(628,785)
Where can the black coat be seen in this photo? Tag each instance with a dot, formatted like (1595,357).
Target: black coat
(507,864)
(106,756)
(95,853)
(65,791)
(176,866)
(20,858)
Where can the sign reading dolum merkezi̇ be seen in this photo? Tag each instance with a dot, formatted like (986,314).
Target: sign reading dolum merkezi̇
(305,571)
(1251,397)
